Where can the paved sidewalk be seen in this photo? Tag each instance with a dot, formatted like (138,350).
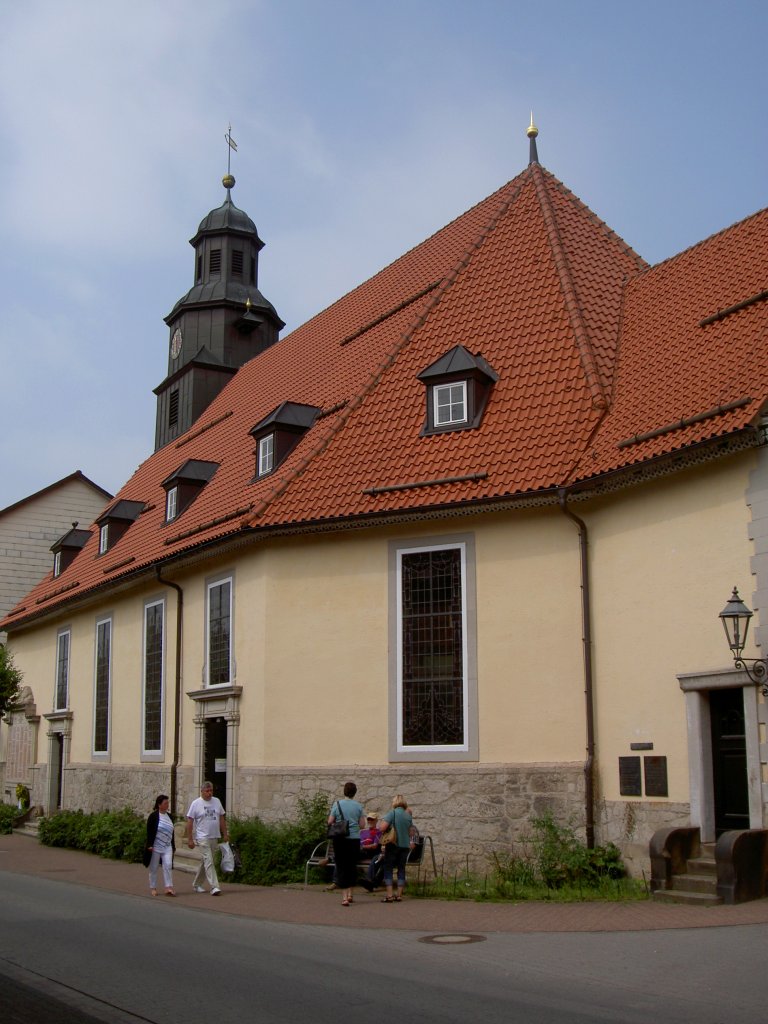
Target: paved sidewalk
(295,905)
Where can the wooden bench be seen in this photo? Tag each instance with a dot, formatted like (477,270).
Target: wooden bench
(322,857)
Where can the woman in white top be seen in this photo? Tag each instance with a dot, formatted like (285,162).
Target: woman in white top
(160,846)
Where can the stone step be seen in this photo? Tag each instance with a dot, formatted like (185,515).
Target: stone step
(702,866)
(29,828)
(700,899)
(695,883)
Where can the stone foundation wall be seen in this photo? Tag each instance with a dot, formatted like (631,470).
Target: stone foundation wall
(94,787)
(469,810)
(631,823)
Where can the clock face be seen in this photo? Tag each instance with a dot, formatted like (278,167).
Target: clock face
(176,341)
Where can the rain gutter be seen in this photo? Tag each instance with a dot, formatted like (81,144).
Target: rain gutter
(586,617)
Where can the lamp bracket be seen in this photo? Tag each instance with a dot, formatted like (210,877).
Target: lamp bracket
(758,672)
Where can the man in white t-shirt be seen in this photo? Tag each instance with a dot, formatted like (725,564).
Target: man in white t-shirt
(206,824)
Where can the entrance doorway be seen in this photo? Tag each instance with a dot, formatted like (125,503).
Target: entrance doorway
(57,767)
(729,759)
(215,756)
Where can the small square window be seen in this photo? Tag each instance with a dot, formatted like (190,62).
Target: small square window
(450,403)
(266,454)
(104,539)
(171,504)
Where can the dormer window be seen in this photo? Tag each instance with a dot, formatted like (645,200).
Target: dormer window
(278,434)
(458,386)
(67,547)
(116,521)
(450,403)
(171,503)
(266,460)
(183,486)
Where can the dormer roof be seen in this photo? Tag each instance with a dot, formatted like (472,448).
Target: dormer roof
(74,539)
(122,510)
(458,362)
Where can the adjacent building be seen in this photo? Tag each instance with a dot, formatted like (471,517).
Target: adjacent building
(28,528)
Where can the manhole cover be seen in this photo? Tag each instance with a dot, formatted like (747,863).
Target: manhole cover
(451,939)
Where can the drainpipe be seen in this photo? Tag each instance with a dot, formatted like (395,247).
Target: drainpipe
(177,694)
(586,617)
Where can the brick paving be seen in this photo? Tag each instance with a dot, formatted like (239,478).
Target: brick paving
(295,905)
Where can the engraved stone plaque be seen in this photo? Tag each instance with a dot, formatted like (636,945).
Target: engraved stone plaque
(630,783)
(656,776)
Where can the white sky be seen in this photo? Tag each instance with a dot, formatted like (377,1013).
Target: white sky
(362,127)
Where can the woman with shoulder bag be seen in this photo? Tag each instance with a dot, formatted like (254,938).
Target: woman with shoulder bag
(346,846)
(160,846)
(399,820)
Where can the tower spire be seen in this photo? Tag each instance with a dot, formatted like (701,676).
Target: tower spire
(228,181)
(532,131)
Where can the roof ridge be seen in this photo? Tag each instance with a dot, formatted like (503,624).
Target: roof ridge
(705,241)
(583,343)
(441,289)
(516,182)
(607,230)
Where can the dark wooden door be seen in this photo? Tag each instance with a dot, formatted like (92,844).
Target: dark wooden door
(729,759)
(215,760)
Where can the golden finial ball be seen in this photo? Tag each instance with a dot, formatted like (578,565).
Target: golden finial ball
(228,181)
(531,131)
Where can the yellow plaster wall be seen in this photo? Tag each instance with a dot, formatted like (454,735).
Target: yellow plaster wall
(312,633)
(664,558)
(312,627)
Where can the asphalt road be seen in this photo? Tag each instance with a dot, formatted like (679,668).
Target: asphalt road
(86,954)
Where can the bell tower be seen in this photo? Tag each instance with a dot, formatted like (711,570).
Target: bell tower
(222,321)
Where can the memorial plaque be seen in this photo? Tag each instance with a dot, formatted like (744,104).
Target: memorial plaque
(656,776)
(630,783)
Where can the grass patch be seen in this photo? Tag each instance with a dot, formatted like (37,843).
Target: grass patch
(548,863)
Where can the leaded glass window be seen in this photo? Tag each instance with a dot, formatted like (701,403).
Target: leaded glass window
(219,632)
(432,648)
(101,704)
(62,672)
(153,676)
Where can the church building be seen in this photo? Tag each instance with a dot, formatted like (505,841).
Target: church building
(463,535)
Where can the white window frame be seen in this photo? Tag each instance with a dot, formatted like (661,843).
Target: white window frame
(172,503)
(57,564)
(446,413)
(212,585)
(102,754)
(468,750)
(104,539)
(146,753)
(266,462)
(62,636)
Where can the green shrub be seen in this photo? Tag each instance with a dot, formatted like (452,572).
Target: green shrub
(276,853)
(8,814)
(63,829)
(119,835)
(551,858)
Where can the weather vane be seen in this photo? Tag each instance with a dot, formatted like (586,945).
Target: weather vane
(229,179)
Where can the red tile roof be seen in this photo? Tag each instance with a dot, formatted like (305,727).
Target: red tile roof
(591,346)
